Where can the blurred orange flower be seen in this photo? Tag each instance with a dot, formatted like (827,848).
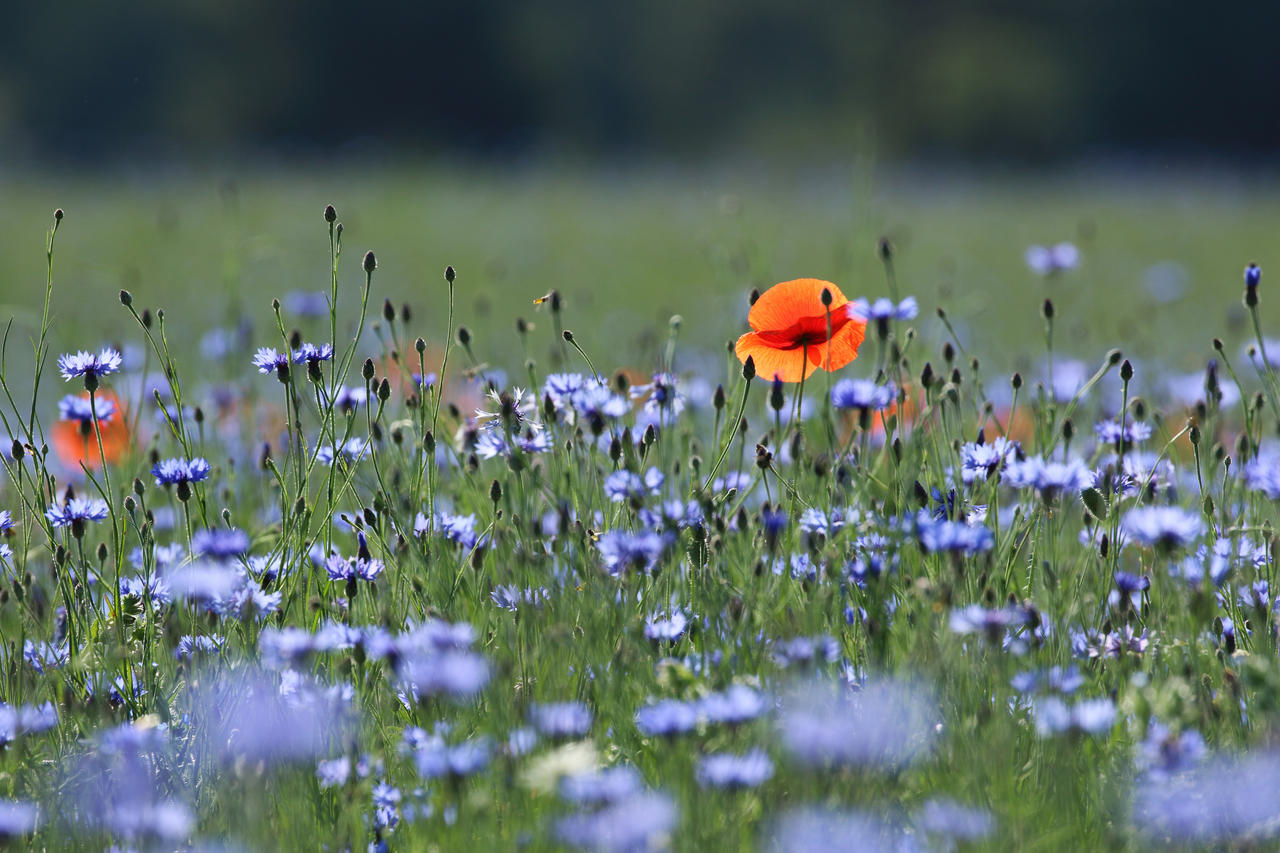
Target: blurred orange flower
(74,442)
(789,338)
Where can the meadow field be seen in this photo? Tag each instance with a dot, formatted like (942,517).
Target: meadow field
(451,516)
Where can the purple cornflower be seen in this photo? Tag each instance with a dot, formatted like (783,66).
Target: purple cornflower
(170,472)
(75,512)
(622,485)
(73,407)
(735,705)
(1165,528)
(884,309)
(598,787)
(1166,752)
(635,823)
(726,770)
(1050,479)
(1111,433)
(89,365)
(980,461)
(666,717)
(1050,260)
(976,619)
(669,628)
(885,724)
(310,354)
(561,719)
(862,394)
(271,360)
(1090,716)
(621,550)
(954,537)
(217,543)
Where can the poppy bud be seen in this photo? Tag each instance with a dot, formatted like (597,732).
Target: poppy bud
(464,336)
(366,370)
(57,215)
(826,297)
(754,296)
(567,335)
(1046,310)
(370,262)
(17,451)
(126,298)
(1126,370)
(495,492)
(885,249)
(1113,357)
(388,311)
(749,368)
(384,390)
(717,398)
(330,214)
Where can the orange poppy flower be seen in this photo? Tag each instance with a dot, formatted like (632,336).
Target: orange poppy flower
(73,446)
(789,338)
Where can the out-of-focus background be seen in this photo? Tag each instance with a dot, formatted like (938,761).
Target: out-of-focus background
(646,159)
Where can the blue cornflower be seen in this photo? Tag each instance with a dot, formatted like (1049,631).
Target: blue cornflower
(219,543)
(510,597)
(307,303)
(436,759)
(1166,528)
(598,787)
(17,818)
(669,628)
(803,651)
(386,804)
(976,619)
(1166,752)
(1262,474)
(1111,433)
(886,724)
(73,407)
(561,719)
(862,394)
(622,550)
(6,521)
(956,822)
(1090,716)
(634,823)
(169,472)
(1056,679)
(953,536)
(190,646)
(725,770)
(661,399)
(310,354)
(621,485)
(1050,260)
(89,365)
(342,568)
(980,461)
(271,360)
(348,399)
(1050,479)
(735,705)
(455,528)
(667,717)
(884,309)
(334,772)
(75,512)
(460,674)
(350,451)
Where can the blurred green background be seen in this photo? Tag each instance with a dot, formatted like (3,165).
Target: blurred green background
(645,159)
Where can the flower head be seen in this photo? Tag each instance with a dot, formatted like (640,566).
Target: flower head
(790,337)
(88,364)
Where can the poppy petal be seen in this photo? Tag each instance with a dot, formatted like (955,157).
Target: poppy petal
(843,346)
(771,361)
(784,304)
